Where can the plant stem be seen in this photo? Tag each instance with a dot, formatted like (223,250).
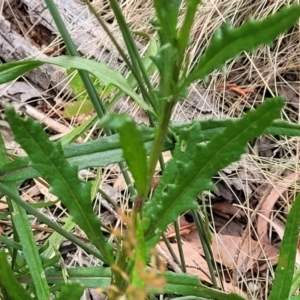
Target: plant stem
(95,98)
(159,140)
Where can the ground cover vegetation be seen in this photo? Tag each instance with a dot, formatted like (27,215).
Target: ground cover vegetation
(129,251)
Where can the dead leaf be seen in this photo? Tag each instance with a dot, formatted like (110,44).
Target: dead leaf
(251,253)
(196,264)
(226,210)
(43,187)
(268,204)
(21,90)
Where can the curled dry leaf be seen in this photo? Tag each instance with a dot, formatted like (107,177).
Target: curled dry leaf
(196,264)
(226,210)
(252,254)
(268,204)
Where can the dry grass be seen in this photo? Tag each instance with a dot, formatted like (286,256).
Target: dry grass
(268,71)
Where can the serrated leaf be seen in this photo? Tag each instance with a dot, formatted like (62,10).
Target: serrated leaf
(47,157)
(12,286)
(101,71)
(105,151)
(286,262)
(167,13)
(194,166)
(228,42)
(133,148)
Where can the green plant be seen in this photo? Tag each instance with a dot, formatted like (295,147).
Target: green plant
(200,149)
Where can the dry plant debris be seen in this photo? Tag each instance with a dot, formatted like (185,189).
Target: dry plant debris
(248,210)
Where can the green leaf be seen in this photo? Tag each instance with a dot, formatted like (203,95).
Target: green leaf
(12,70)
(228,42)
(107,150)
(90,277)
(133,148)
(188,285)
(179,284)
(7,278)
(25,235)
(167,13)
(101,71)
(48,158)
(72,290)
(184,33)
(296,282)
(193,165)
(10,244)
(286,262)
(83,104)
(41,217)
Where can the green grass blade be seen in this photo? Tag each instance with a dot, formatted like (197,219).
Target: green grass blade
(188,285)
(286,262)
(210,128)
(48,158)
(101,71)
(7,278)
(25,235)
(72,290)
(137,67)
(41,217)
(296,282)
(31,252)
(229,42)
(71,48)
(133,148)
(107,150)
(179,284)
(193,166)
(12,70)
(90,277)
(9,243)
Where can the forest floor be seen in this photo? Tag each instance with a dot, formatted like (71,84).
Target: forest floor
(248,210)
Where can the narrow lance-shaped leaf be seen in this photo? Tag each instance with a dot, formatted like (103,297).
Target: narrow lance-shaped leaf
(188,285)
(167,13)
(228,42)
(101,71)
(13,288)
(107,150)
(10,71)
(194,166)
(286,262)
(27,240)
(48,158)
(133,148)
